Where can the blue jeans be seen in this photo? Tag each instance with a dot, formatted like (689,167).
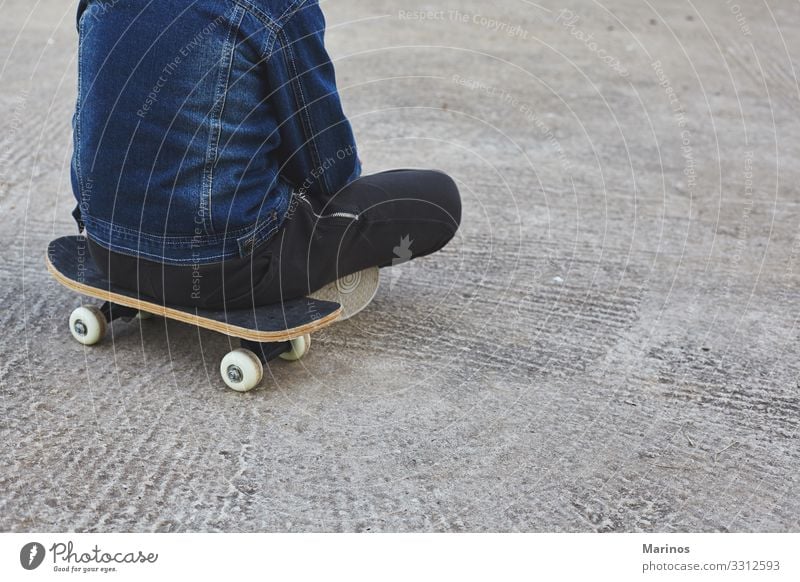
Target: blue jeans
(197,121)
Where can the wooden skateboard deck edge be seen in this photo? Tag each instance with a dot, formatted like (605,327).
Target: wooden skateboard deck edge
(184,317)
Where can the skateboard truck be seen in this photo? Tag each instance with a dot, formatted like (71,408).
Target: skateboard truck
(267,351)
(111,311)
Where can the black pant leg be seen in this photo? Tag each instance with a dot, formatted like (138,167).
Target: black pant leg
(379,220)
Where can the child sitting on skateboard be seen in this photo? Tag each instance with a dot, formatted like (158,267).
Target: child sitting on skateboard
(214,166)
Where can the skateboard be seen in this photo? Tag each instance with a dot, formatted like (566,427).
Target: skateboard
(265,333)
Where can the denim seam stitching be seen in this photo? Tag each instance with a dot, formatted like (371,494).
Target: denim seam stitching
(262,16)
(78,140)
(253,229)
(302,108)
(277,216)
(259,235)
(290,11)
(165,239)
(190,260)
(269,47)
(215,121)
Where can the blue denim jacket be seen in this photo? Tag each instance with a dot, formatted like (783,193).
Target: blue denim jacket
(196,121)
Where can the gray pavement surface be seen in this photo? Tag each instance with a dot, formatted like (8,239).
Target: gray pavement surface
(611,343)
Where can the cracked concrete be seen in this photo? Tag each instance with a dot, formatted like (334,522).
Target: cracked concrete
(610,344)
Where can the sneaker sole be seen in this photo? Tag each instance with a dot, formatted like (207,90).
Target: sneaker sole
(353,292)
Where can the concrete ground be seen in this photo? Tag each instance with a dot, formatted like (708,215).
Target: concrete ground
(611,344)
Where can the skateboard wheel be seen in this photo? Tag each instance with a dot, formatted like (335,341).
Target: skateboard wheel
(144,315)
(241,370)
(87,324)
(300,347)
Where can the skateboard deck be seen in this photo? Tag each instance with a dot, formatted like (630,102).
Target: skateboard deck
(69,262)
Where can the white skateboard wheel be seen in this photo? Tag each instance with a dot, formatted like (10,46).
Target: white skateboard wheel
(87,324)
(300,347)
(241,370)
